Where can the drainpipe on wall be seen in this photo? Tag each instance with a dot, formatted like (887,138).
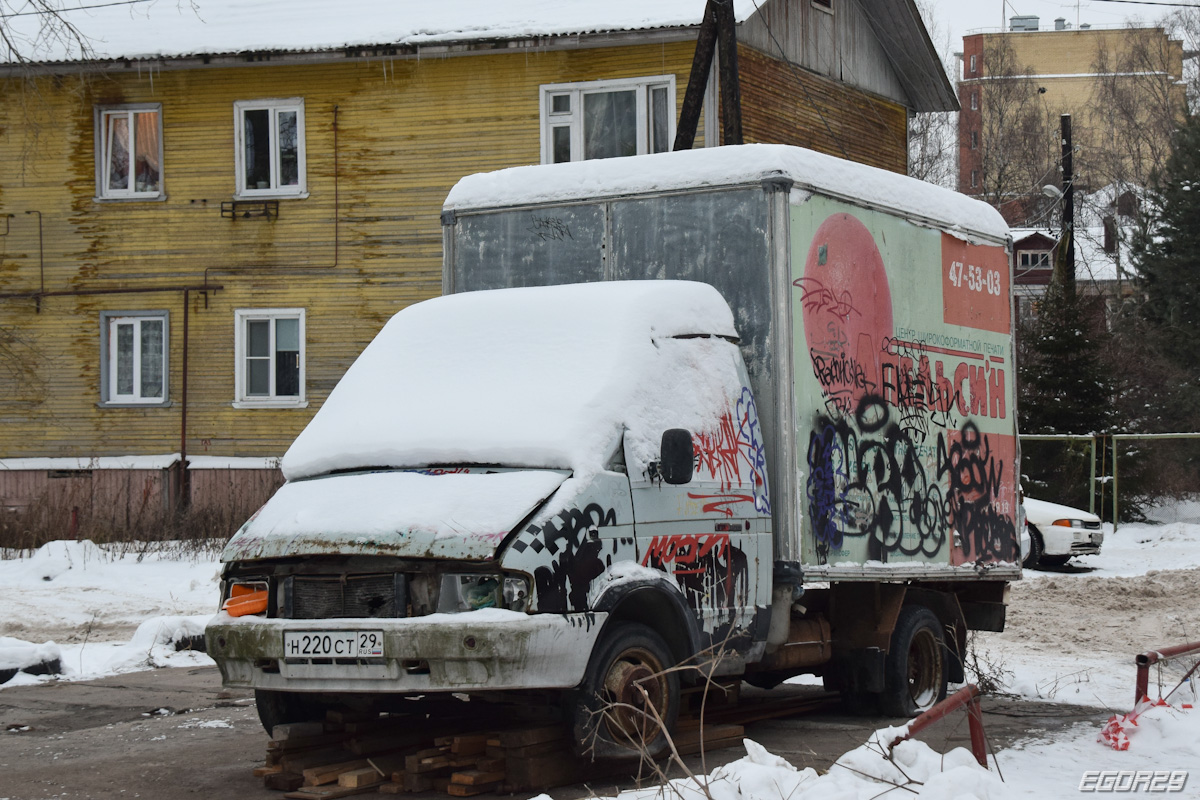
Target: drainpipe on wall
(183,498)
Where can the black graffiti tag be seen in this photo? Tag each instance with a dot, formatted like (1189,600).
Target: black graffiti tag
(976,481)
(576,557)
(866,480)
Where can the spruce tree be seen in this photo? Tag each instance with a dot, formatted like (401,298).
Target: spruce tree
(1167,255)
(1064,388)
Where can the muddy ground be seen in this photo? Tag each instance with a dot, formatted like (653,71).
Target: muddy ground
(175,733)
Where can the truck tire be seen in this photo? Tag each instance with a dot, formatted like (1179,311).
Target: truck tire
(276,708)
(915,671)
(609,719)
(855,702)
(1037,549)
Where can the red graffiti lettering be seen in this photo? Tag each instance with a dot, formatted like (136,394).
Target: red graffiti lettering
(685,549)
(721,502)
(718,452)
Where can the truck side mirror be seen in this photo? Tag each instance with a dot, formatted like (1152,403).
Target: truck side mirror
(676,456)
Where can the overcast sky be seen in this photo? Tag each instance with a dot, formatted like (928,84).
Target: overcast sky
(959,17)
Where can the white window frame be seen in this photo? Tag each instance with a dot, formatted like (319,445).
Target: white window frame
(974,63)
(1026,258)
(974,101)
(275,105)
(109,320)
(100,116)
(241,399)
(574,118)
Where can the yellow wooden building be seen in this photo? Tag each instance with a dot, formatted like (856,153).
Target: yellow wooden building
(209,214)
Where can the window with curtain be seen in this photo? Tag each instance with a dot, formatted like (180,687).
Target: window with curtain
(134,362)
(129,152)
(607,119)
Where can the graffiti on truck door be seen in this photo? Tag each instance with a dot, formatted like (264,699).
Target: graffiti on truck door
(895,456)
(733,456)
(709,568)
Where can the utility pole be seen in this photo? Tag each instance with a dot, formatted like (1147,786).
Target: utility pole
(718,31)
(1067,246)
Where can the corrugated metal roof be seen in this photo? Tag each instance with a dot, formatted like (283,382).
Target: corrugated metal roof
(165,29)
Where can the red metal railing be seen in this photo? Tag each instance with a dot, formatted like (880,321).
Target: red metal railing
(966,697)
(1152,657)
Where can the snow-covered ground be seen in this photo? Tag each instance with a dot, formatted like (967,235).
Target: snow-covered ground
(1071,638)
(99,612)
(1072,635)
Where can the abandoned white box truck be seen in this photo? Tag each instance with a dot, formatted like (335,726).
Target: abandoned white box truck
(750,408)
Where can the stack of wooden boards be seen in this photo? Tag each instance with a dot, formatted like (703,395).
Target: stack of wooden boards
(347,755)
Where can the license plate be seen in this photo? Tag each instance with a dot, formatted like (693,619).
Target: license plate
(333,644)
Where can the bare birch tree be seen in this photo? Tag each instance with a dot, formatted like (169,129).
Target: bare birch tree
(33,30)
(1137,103)
(932,135)
(1016,138)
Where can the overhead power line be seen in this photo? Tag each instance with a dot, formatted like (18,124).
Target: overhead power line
(42,12)
(1150,3)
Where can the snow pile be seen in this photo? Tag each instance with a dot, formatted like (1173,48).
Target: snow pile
(54,558)
(18,656)
(397,513)
(1155,725)
(1072,634)
(861,774)
(575,368)
(1165,738)
(1137,549)
(69,591)
(155,644)
(724,166)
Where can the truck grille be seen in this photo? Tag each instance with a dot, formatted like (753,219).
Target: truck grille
(351,596)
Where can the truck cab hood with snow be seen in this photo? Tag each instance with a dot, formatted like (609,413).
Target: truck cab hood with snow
(460,513)
(540,378)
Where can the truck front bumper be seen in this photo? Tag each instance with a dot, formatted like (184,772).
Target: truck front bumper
(473,651)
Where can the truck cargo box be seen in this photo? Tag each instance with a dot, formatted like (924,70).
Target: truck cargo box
(874,316)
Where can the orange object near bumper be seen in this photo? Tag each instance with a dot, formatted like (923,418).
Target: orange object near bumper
(242,604)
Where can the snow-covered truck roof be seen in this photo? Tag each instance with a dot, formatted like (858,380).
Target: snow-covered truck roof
(856,183)
(547,377)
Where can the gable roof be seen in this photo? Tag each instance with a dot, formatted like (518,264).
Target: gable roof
(899,27)
(166,29)
(138,30)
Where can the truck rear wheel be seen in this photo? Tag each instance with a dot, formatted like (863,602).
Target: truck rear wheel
(612,717)
(915,670)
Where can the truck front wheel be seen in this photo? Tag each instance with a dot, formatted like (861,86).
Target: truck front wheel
(276,708)
(915,670)
(629,695)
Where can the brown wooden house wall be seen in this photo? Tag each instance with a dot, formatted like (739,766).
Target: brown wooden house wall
(786,104)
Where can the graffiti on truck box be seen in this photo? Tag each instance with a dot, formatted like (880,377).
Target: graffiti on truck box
(898,464)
